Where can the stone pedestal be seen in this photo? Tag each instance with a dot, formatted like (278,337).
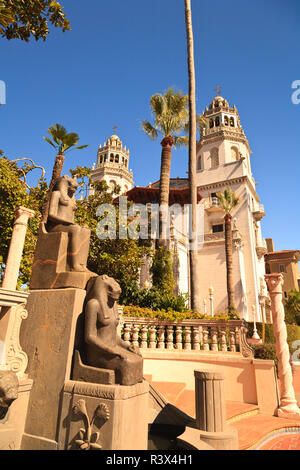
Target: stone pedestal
(48,337)
(210,411)
(52,261)
(107,417)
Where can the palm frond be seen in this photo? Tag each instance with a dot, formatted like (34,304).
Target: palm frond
(181,141)
(157,104)
(228,200)
(149,130)
(49,141)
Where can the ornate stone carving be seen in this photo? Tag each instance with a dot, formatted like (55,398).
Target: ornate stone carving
(245,348)
(16,358)
(87,439)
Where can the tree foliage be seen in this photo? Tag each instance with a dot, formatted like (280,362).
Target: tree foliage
(119,258)
(292,307)
(26,19)
(13,194)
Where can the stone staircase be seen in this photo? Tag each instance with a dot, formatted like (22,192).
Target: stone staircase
(254,429)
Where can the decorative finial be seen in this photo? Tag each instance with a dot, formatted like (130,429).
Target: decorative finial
(115,129)
(218,89)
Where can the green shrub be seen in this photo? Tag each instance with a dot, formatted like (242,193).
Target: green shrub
(266,351)
(293,333)
(292,307)
(171,315)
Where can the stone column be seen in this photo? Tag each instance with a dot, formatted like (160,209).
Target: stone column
(288,405)
(211,411)
(210,401)
(16,248)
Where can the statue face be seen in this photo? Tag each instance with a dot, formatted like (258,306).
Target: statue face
(8,388)
(113,288)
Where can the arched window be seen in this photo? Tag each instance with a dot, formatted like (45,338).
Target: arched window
(111,157)
(105,158)
(226,121)
(199,163)
(211,123)
(217,121)
(231,122)
(235,155)
(101,159)
(214,155)
(117,158)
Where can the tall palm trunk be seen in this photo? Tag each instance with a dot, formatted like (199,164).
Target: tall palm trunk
(194,268)
(56,173)
(228,252)
(164,187)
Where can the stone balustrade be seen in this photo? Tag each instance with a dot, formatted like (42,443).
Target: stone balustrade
(187,335)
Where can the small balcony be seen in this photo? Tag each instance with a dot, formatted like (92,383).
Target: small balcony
(260,213)
(261,248)
(213,205)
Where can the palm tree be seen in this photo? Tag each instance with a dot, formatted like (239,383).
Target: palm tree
(63,142)
(170,118)
(228,200)
(194,268)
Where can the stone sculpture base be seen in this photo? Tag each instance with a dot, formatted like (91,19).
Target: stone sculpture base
(48,337)
(227,440)
(110,417)
(84,373)
(51,266)
(13,423)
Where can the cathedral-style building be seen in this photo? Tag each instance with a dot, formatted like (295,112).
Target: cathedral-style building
(223,161)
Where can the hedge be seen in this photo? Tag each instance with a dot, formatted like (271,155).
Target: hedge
(266,333)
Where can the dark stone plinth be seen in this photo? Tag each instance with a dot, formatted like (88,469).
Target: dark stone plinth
(84,373)
(51,266)
(48,337)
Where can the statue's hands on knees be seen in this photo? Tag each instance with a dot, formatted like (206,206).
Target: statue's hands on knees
(134,349)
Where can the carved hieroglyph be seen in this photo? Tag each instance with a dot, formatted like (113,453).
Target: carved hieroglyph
(288,404)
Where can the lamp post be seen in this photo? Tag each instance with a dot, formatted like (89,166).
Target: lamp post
(211,300)
(255,333)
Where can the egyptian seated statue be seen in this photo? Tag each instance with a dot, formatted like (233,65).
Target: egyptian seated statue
(62,247)
(107,358)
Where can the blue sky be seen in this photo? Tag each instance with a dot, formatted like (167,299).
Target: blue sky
(119,53)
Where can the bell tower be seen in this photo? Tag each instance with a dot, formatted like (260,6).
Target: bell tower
(112,165)
(223,161)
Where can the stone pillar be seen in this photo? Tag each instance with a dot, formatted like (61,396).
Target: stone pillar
(211,412)
(210,401)
(288,404)
(16,248)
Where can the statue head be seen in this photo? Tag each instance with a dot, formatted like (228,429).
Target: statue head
(9,385)
(66,185)
(103,285)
